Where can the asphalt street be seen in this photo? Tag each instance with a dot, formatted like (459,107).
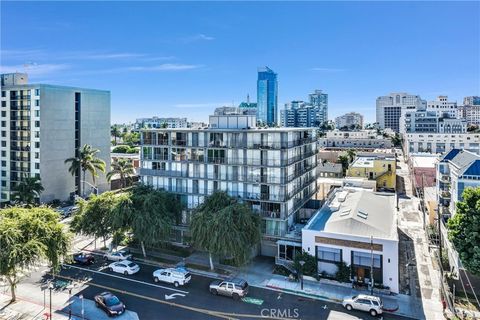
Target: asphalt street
(152,300)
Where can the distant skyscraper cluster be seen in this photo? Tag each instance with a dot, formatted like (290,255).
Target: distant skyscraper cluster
(306,114)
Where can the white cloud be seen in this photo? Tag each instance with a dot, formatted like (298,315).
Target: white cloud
(165,67)
(198,37)
(321,69)
(34,69)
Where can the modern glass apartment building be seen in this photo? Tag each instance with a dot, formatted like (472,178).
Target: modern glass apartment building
(273,170)
(41,126)
(267,92)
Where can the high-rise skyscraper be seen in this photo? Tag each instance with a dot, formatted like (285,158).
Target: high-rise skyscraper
(43,125)
(319,100)
(267,92)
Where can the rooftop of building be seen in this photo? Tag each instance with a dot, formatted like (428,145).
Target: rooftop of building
(330,167)
(357,212)
(423,160)
(53,86)
(369,161)
(257,129)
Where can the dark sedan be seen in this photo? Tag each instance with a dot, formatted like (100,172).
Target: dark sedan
(109,303)
(83,258)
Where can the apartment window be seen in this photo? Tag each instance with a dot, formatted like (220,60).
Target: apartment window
(4,113)
(4,183)
(37,113)
(4,163)
(4,153)
(37,144)
(4,94)
(4,124)
(4,173)
(37,103)
(37,175)
(4,134)
(37,124)
(37,92)
(4,104)
(37,134)
(4,144)
(37,155)
(37,165)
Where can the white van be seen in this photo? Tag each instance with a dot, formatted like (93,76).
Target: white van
(174,276)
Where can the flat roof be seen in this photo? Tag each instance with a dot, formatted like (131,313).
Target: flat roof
(282,129)
(423,160)
(358,212)
(368,161)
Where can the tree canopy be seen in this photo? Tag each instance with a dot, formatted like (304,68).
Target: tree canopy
(27,237)
(464,229)
(224,227)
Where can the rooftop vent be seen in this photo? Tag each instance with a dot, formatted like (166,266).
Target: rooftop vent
(345,212)
(362,214)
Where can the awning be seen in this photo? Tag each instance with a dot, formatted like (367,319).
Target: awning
(289,243)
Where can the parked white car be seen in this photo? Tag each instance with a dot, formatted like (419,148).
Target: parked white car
(363,302)
(117,256)
(126,267)
(174,276)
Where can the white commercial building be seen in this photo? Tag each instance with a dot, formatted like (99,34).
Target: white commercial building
(43,125)
(155,122)
(362,139)
(443,107)
(440,142)
(353,225)
(392,107)
(471,113)
(431,122)
(348,120)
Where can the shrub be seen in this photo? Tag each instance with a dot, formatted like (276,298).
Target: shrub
(133,150)
(310,266)
(121,149)
(343,272)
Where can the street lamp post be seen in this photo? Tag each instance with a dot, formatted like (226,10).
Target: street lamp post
(372,283)
(302,263)
(70,287)
(83,310)
(50,288)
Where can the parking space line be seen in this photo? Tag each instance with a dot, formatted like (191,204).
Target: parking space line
(123,278)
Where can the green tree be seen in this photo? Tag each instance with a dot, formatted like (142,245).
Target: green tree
(351,154)
(310,266)
(131,138)
(94,216)
(343,272)
(86,161)
(148,213)
(464,229)
(344,161)
(28,191)
(124,169)
(115,132)
(396,140)
(27,237)
(222,226)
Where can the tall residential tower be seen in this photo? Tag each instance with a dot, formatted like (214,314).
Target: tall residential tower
(267,95)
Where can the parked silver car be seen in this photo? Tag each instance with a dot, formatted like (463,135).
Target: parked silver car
(235,288)
(363,302)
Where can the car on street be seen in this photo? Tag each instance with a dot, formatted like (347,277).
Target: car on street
(83,258)
(235,287)
(176,277)
(109,303)
(363,302)
(126,267)
(118,256)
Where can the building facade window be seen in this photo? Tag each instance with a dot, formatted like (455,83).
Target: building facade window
(329,254)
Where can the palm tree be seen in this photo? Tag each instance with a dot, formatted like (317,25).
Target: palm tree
(28,190)
(86,161)
(351,155)
(115,132)
(124,168)
(344,161)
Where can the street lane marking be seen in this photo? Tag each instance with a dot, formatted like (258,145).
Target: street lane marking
(173,295)
(219,314)
(258,302)
(123,278)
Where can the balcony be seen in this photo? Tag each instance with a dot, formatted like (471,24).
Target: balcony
(20,97)
(445,195)
(20,169)
(19,158)
(24,118)
(20,128)
(20,138)
(19,108)
(445,178)
(20,148)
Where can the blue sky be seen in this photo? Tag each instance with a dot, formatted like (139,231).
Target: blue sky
(185,59)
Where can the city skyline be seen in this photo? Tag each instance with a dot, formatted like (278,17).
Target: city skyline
(155,65)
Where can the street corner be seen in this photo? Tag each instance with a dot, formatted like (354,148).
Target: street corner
(91,312)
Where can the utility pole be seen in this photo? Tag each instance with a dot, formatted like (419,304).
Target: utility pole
(371,267)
